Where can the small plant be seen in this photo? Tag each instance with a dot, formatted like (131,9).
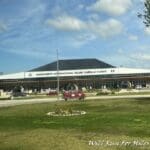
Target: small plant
(70,110)
(65,112)
(58,110)
(113,92)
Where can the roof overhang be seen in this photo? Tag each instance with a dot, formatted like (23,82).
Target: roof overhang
(74,73)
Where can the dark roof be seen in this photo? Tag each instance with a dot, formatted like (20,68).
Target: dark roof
(73,64)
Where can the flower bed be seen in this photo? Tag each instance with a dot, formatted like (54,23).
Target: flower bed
(67,113)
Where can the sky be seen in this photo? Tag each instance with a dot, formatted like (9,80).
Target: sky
(32,30)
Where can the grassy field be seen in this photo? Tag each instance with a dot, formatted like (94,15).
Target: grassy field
(122,124)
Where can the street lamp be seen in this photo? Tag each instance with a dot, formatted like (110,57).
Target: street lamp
(57,76)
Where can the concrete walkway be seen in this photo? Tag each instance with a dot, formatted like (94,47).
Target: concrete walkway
(8,103)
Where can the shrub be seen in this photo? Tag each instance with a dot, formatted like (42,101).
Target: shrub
(102,93)
(70,110)
(58,110)
(113,92)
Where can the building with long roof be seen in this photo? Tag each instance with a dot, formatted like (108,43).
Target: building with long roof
(84,72)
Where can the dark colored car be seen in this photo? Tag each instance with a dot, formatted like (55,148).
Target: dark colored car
(73,95)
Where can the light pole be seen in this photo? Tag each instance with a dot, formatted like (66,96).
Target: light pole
(57,76)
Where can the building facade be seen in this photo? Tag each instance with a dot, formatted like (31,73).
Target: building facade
(88,73)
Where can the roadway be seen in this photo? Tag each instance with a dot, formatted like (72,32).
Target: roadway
(8,103)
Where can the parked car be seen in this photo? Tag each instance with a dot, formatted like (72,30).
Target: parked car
(73,95)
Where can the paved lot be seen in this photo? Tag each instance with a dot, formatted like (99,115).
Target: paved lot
(7,103)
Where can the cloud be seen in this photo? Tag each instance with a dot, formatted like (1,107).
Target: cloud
(106,29)
(111,7)
(3,27)
(133,37)
(32,53)
(103,29)
(85,37)
(147,31)
(81,6)
(136,58)
(81,40)
(25,12)
(141,56)
(93,16)
(67,23)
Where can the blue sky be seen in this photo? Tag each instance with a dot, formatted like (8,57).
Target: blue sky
(109,30)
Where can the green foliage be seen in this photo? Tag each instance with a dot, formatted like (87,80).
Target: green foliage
(146,14)
(70,110)
(113,92)
(63,110)
(58,110)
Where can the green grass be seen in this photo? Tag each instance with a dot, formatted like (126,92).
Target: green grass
(27,126)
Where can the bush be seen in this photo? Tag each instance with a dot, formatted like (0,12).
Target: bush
(58,110)
(112,92)
(102,93)
(70,110)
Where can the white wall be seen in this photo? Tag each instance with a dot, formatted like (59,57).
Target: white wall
(83,72)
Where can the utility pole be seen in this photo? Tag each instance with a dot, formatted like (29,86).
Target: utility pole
(57,75)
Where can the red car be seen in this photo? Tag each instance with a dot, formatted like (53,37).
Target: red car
(73,95)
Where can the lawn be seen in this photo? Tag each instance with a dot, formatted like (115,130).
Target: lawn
(120,124)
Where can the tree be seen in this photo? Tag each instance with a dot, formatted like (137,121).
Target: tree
(146,14)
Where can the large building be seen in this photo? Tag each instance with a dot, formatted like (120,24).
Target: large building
(89,73)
